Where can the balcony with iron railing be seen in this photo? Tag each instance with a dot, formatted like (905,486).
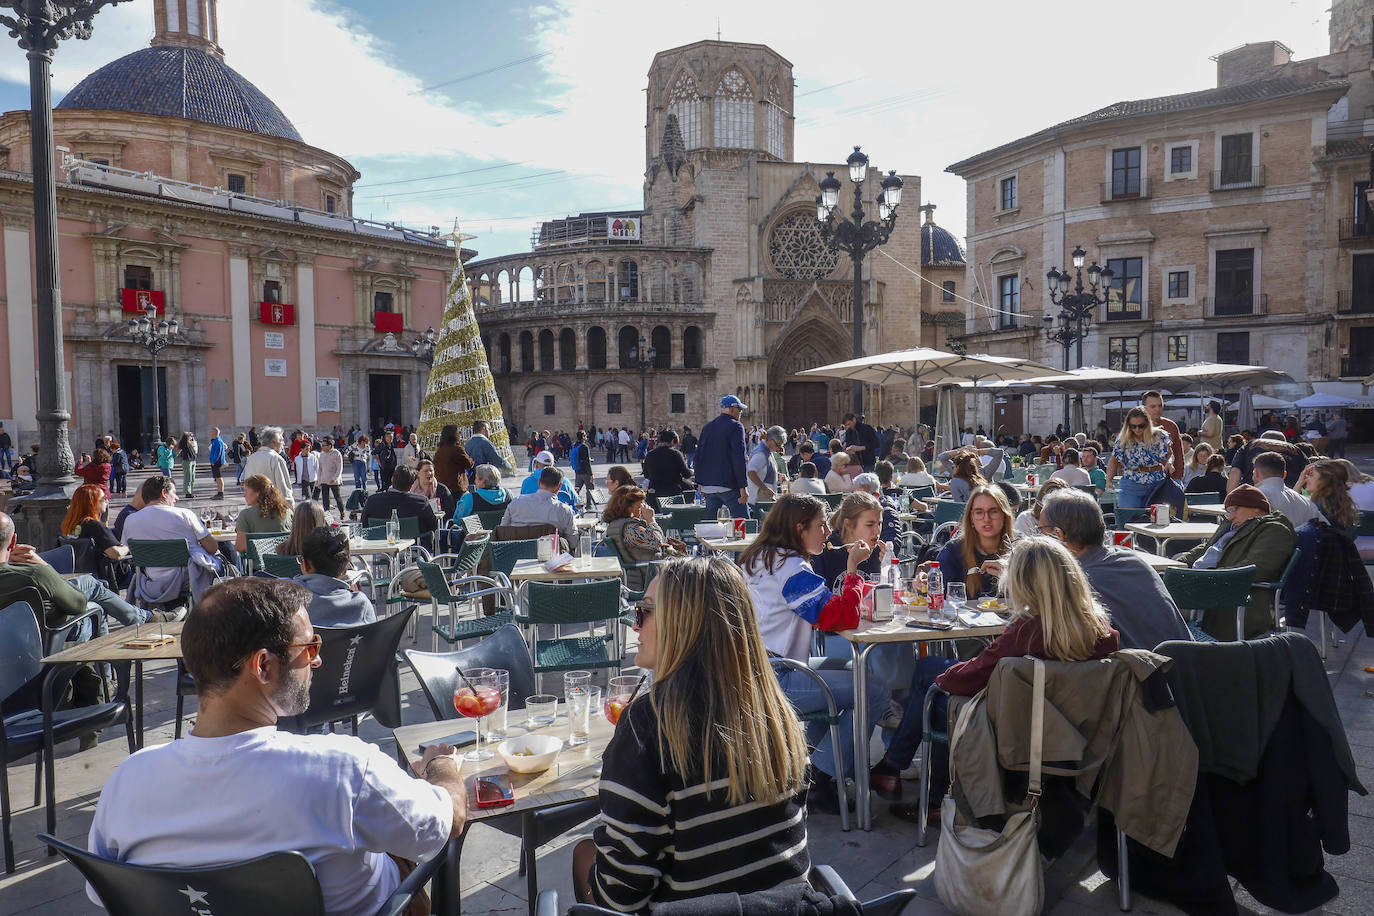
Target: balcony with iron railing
(1355,302)
(1133,189)
(1357,366)
(1230,306)
(1354,230)
(1238,179)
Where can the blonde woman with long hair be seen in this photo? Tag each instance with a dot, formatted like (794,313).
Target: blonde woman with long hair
(1142,455)
(703,781)
(1054,616)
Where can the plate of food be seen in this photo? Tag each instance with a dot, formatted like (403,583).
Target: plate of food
(991,604)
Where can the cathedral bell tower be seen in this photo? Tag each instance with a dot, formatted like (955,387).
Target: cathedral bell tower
(187,24)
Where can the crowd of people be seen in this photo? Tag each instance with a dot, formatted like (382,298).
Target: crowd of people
(711,772)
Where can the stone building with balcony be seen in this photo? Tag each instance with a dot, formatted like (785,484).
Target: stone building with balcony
(1233,218)
(723,271)
(183,185)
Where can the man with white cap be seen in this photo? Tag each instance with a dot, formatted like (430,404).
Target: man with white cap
(720,464)
(544,459)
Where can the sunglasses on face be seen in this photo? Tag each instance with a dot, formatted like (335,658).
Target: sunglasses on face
(642,613)
(1139,426)
(312,648)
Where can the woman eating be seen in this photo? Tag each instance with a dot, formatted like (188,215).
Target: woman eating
(631,526)
(858,518)
(84,513)
(1054,616)
(973,555)
(701,784)
(792,600)
(1141,455)
(268,511)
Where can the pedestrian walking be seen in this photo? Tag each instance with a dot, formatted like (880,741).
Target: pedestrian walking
(187,452)
(216,456)
(720,461)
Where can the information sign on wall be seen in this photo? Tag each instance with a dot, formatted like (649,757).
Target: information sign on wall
(326,395)
(275,367)
(275,340)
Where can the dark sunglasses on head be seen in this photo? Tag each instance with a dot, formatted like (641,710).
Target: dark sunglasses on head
(642,611)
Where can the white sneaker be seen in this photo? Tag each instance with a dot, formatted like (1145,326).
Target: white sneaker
(893,717)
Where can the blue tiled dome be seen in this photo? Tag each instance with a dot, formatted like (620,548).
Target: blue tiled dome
(938,247)
(181,83)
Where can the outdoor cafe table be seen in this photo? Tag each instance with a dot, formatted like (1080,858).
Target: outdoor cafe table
(1212,510)
(111,648)
(730,545)
(1192,531)
(577,568)
(861,642)
(574,776)
(1157,562)
(363,547)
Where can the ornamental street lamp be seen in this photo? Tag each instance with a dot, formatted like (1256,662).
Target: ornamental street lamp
(154,338)
(857,238)
(643,357)
(39,25)
(422,347)
(1076,304)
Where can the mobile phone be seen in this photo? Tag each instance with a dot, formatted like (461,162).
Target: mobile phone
(929,625)
(493,791)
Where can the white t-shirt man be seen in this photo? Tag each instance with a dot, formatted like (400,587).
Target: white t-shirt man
(339,801)
(759,460)
(1073,475)
(165,523)
(624,438)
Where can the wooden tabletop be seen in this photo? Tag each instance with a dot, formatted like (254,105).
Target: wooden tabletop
(1157,562)
(110,647)
(731,545)
(359,547)
(1199,530)
(896,630)
(574,776)
(579,568)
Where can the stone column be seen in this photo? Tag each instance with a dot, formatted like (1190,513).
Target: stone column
(240,310)
(305,319)
(19,309)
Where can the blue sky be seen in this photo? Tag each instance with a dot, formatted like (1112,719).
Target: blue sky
(502,114)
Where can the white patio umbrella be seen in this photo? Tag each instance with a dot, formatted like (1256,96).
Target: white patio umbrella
(946,423)
(924,365)
(1216,377)
(1245,412)
(1321,400)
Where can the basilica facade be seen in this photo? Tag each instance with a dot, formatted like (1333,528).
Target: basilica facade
(182,185)
(724,272)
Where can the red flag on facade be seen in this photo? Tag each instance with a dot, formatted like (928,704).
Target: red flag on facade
(277,313)
(136,301)
(387,321)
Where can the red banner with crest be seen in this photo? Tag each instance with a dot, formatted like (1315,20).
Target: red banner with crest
(277,313)
(136,301)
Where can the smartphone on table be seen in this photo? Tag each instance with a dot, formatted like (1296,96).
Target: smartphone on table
(493,791)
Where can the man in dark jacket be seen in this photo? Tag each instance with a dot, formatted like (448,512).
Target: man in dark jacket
(666,469)
(689,445)
(385,454)
(720,461)
(860,441)
(405,503)
(1250,534)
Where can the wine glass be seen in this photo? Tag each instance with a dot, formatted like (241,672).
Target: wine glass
(956,595)
(474,697)
(619,691)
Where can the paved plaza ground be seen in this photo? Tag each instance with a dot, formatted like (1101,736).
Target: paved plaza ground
(872,863)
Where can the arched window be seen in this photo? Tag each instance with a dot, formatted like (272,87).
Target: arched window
(948,294)
(691,282)
(596,348)
(734,121)
(777,122)
(596,281)
(526,351)
(567,350)
(503,353)
(546,350)
(658,282)
(543,285)
(684,100)
(662,341)
(627,274)
(627,340)
(524,287)
(505,283)
(691,348)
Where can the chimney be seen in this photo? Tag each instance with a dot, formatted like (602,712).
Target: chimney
(187,24)
(1252,62)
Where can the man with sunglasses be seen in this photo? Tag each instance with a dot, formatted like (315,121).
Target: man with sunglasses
(236,787)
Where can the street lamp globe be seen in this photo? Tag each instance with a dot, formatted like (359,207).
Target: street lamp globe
(892,187)
(822,212)
(858,166)
(884,208)
(830,191)
(173,327)
(1079,255)
(1105,278)
(1094,274)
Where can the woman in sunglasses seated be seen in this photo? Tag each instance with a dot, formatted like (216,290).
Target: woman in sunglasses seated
(702,784)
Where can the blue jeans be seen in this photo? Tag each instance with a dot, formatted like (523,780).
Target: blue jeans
(360,476)
(886,662)
(907,738)
(730,500)
(115,606)
(240,474)
(1132,495)
(806,697)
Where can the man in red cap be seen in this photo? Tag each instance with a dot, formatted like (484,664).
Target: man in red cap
(1251,534)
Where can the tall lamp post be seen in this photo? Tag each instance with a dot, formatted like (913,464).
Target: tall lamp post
(643,358)
(857,238)
(39,25)
(154,337)
(1076,303)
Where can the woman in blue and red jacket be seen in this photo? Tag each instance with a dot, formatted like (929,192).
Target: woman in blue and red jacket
(790,600)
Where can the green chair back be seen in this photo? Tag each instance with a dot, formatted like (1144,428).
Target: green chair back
(833,500)
(472,525)
(760,510)
(1202,499)
(505,553)
(491,518)
(921,493)
(147,553)
(1204,589)
(410,526)
(948,511)
(684,518)
(436,582)
(551,603)
(261,544)
(282,567)
(469,555)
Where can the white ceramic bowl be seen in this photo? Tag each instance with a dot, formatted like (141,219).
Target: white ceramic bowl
(530,753)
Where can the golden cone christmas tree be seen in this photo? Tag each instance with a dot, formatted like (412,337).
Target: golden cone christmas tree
(461,390)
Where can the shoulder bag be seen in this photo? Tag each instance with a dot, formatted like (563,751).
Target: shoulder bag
(982,872)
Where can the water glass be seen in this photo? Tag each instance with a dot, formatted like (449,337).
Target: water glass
(496,722)
(584,549)
(573,679)
(956,595)
(541,709)
(581,702)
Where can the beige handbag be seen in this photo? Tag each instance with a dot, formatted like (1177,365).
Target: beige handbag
(980,872)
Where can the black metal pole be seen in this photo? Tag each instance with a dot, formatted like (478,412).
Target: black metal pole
(157,406)
(858,400)
(1066,394)
(643,371)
